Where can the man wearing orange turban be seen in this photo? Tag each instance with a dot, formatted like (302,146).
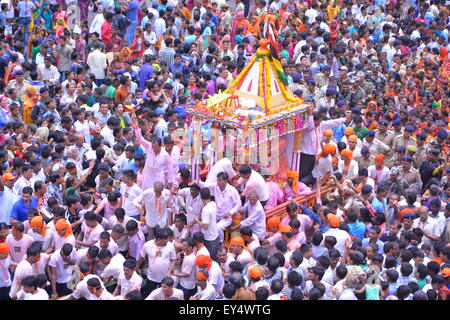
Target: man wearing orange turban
(273,224)
(329,149)
(205,290)
(347,166)
(323,165)
(63,234)
(40,232)
(293,187)
(240,251)
(378,172)
(214,271)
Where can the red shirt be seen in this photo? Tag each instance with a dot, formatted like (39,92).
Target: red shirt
(106,35)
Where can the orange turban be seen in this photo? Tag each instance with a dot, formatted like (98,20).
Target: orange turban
(329,149)
(284,228)
(349,131)
(353,138)
(255,272)
(237,241)
(201,275)
(4,248)
(63,224)
(333,220)
(328,133)
(273,222)
(293,175)
(334,160)
(39,222)
(203,260)
(347,153)
(379,158)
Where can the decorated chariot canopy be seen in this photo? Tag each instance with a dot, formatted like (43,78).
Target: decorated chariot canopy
(257,98)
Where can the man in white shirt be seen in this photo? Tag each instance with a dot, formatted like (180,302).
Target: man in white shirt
(205,290)
(96,61)
(60,269)
(90,231)
(129,191)
(256,218)
(166,291)
(227,200)
(161,256)
(208,222)
(215,274)
(48,73)
(31,290)
(24,180)
(23,269)
(98,292)
(7,196)
(128,280)
(153,204)
(96,25)
(311,137)
(160,26)
(186,274)
(107,131)
(428,226)
(223,165)
(253,181)
(189,199)
(340,235)
(113,265)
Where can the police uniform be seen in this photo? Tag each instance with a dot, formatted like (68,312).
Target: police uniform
(365,163)
(321,80)
(401,141)
(411,176)
(387,138)
(418,157)
(377,146)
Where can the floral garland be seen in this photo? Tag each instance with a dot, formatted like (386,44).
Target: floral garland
(268,88)
(261,89)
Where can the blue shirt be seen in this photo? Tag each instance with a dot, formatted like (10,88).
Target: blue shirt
(380,244)
(357,229)
(181,110)
(26,8)
(132,13)
(20,209)
(145,74)
(174,68)
(377,205)
(338,132)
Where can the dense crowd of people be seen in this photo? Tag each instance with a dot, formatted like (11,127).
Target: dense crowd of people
(98,202)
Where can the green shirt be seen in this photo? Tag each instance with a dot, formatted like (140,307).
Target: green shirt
(372,293)
(361,132)
(421,283)
(91,45)
(110,92)
(34,52)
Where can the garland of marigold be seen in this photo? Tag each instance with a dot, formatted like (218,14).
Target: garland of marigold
(268,83)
